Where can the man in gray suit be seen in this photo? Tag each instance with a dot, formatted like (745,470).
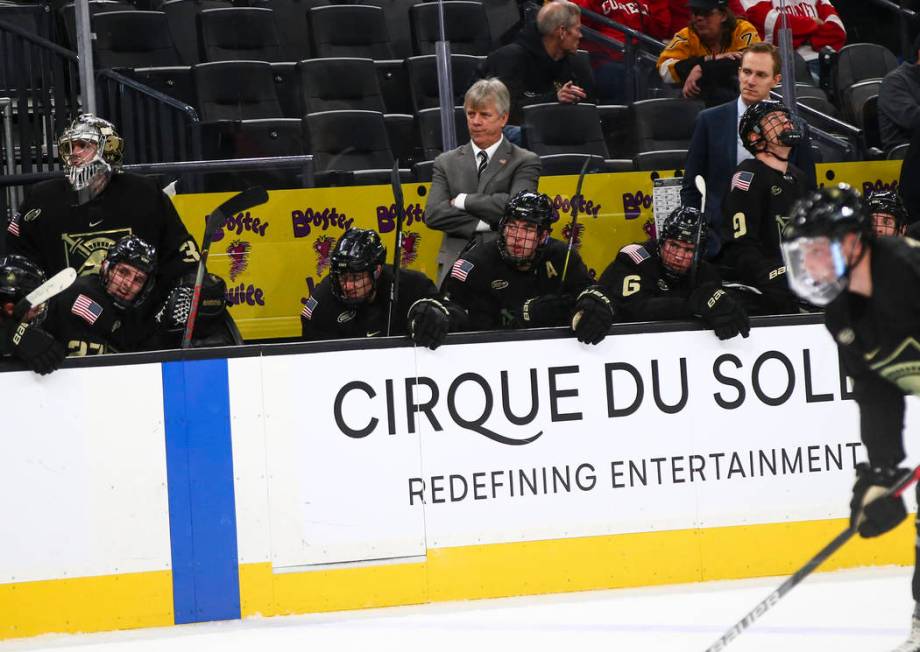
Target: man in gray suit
(471,184)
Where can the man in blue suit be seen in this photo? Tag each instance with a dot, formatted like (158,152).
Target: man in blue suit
(716,149)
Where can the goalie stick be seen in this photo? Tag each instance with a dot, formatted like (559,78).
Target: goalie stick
(764,605)
(50,288)
(239,202)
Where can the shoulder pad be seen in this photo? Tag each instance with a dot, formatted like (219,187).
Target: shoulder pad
(636,252)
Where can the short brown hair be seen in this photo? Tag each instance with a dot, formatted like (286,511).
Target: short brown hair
(772,50)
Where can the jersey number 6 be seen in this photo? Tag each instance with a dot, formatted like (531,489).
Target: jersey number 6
(631,284)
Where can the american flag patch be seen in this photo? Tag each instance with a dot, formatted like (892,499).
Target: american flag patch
(636,252)
(742,180)
(461,269)
(308,308)
(14,225)
(86,308)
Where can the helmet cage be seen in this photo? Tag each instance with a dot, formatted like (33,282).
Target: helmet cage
(684,224)
(18,277)
(531,208)
(752,122)
(887,202)
(140,255)
(357,251)
(88,178)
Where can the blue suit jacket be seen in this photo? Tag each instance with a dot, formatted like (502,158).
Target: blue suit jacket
(713,154)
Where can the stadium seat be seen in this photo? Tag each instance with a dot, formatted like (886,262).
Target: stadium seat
(801,71)
(287,88)
(466,27)
(664,123)
(239,33)
(69,21)
(869,121)
(236,90)
(340,83)
(563,134)
(175,81)
(504,20)
(182,16)
(131,39)
(423,78)
(857,62)
(558,164)
(36,20)
(396,14)
(350,141)
(429,127)
(394,85)
(618,130)
(291,20)
(366,34)
(857,95)
(898,152)
(661,159)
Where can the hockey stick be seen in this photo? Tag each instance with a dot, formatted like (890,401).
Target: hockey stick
(574,223)
(50,288)
(397,248)
(239,202)
(764,605)
(700,184)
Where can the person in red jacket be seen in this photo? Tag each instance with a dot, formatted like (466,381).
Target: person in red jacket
(647,16)
(680,13)
(814,24)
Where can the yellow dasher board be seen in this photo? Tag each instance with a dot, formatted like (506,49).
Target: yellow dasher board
(271,255)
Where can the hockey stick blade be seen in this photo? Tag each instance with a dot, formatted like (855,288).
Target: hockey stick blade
(700,184)
(50,288)
(791,582)
(239,202)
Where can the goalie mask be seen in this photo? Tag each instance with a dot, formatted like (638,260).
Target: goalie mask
(128,272)
(767,122)
(887,212)
(356,264)
(18,277)
(90,149)
(523,231)
(817,262)
(683,233)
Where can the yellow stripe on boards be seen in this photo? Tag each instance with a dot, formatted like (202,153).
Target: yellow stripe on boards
(86,604)
(563,565)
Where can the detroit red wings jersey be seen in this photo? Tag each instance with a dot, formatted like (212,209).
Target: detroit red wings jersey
(650,17)
(802,16)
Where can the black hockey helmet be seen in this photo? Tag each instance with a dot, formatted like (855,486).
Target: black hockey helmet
(752,124)
(533,208)
(887,202)
(684,224)
(358,250)
(140,255)
(816,266)
(18,277)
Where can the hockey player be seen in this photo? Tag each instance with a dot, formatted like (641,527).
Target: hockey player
(25,339)
(834,259)
(666,279)
(72,221)
(762,192)
(354,299)
(888,213)
(523,281)
(102,313)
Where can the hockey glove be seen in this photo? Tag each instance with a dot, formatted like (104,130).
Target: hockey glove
(546,310)
(871,512)
(429,322)
(725,316)
(212,303)
(37,349)
(593,316)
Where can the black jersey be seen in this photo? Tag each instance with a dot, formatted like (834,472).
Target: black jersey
(86,321)
(55,234)
(637,282)
(493,292)
(879,343)
(754,214)
(324,317)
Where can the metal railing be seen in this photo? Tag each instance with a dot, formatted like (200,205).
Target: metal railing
(905,18)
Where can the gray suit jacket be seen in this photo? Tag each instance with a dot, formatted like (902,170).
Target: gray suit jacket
(510,170)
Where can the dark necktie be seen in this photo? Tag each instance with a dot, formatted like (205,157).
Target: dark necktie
(483,162)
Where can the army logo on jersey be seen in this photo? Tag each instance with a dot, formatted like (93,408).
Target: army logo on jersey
(346,316)
(499,284)
(32,215)
(85,251)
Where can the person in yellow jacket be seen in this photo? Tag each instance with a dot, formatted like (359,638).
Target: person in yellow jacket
(703,57)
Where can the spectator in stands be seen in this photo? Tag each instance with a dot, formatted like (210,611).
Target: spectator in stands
(650,17)
(815,24)
(760,199)
(899,102)
(526,279)
(704,56)
(471,184)
(680,14)
(716,148)
(541,65)
(908,186)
